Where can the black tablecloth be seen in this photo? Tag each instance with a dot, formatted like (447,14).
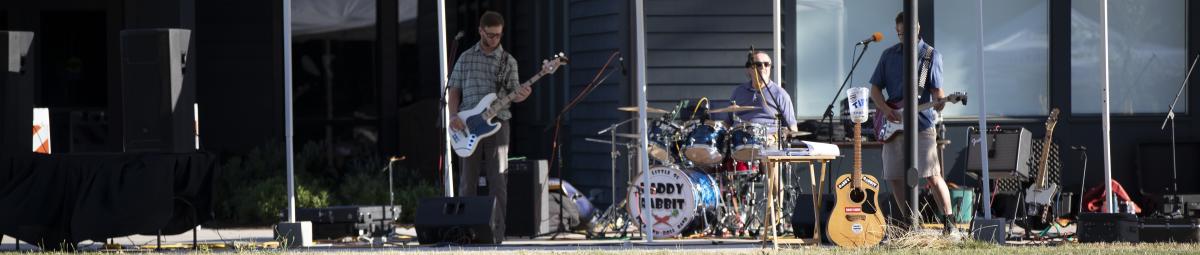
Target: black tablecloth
(56,199)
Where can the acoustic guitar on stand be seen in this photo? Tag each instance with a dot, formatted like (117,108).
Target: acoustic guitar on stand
(856,220)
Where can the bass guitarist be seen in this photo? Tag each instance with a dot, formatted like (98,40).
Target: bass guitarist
(889,78)
(483,69)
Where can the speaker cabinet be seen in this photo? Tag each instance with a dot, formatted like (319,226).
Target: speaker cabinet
(16,93)
(1008,152)
(527,192)
(156,101)
(461,220)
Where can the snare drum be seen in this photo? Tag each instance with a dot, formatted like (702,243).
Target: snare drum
(663,136)
(747,140)
(681,200)
(704,141)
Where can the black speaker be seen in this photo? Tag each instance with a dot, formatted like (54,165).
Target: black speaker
(461,220)
(156,100)
(1008,153)
(527,193)
(16,93)
(802,214)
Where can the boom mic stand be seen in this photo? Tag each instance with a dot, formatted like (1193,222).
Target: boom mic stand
(555,150)
(829,109)
(1171,118)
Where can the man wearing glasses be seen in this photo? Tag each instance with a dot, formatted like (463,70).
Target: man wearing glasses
(483,69)
(889,78)
(760,91)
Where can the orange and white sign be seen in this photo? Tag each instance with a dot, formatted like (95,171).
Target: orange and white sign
(41,130)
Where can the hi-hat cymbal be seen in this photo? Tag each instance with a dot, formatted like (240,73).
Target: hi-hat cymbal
(733,108)
(788,133)
(635,109)
(628,135)
(797,133)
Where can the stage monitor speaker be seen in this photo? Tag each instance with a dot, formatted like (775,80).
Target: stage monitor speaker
(16,93)
(527,193)
(157,102)
(1008,153)
(460,220)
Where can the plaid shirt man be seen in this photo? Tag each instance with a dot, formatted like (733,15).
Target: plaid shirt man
(476,73)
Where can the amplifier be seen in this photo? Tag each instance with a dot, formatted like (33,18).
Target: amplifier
(1008,153)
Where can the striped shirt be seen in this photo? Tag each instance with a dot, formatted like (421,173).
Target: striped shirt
(476,74)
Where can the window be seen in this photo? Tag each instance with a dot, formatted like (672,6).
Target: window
(1016,55)
(1147,55)
(821,63)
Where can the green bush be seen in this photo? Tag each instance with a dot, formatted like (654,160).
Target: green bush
(251,190)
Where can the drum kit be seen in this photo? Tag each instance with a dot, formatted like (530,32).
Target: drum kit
(704,178)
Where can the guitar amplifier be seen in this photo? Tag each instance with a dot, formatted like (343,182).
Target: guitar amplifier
(1008,153)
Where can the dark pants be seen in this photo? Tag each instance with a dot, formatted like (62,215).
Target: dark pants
(492,158)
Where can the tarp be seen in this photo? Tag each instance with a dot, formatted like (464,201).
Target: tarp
(322,16)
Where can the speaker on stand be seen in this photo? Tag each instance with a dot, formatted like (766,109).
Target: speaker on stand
(156,105)
(16,93)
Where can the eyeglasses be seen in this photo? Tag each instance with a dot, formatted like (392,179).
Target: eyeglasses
(758,64)
(492,35)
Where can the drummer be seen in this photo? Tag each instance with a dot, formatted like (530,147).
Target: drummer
(751,93)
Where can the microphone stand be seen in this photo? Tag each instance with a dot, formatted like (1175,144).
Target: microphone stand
(1171,118)
(829,109)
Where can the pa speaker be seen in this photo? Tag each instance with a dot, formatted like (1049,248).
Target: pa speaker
(16,92)
(156,101)
(527,206)
(461,220)
(1007,151)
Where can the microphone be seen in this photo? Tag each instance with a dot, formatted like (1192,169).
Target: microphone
(624,71)
(877,36)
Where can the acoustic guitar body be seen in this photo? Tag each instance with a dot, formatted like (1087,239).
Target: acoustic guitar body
(856,220)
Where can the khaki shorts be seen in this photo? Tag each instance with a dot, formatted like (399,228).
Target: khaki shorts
(927,158)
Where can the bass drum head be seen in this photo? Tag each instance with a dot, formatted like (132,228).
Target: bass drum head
(678,198)
(671,204)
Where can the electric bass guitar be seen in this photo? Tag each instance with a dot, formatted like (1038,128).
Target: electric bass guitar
(1040,195)
(856,220)
(886,130)
(478,119)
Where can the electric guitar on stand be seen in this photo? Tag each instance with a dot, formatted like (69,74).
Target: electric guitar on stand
(856,220)
(1040,195)
(886,130)
(478,120)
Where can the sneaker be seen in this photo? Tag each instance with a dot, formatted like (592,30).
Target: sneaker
(948,225)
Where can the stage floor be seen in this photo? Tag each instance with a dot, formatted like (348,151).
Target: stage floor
(261,238)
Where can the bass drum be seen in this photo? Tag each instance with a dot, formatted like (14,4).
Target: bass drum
(681,201)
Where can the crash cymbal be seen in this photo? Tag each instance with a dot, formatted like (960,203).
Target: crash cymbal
(733,108)
(635,109)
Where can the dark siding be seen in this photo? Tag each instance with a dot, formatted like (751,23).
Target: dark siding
(696,49)
(596,29)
